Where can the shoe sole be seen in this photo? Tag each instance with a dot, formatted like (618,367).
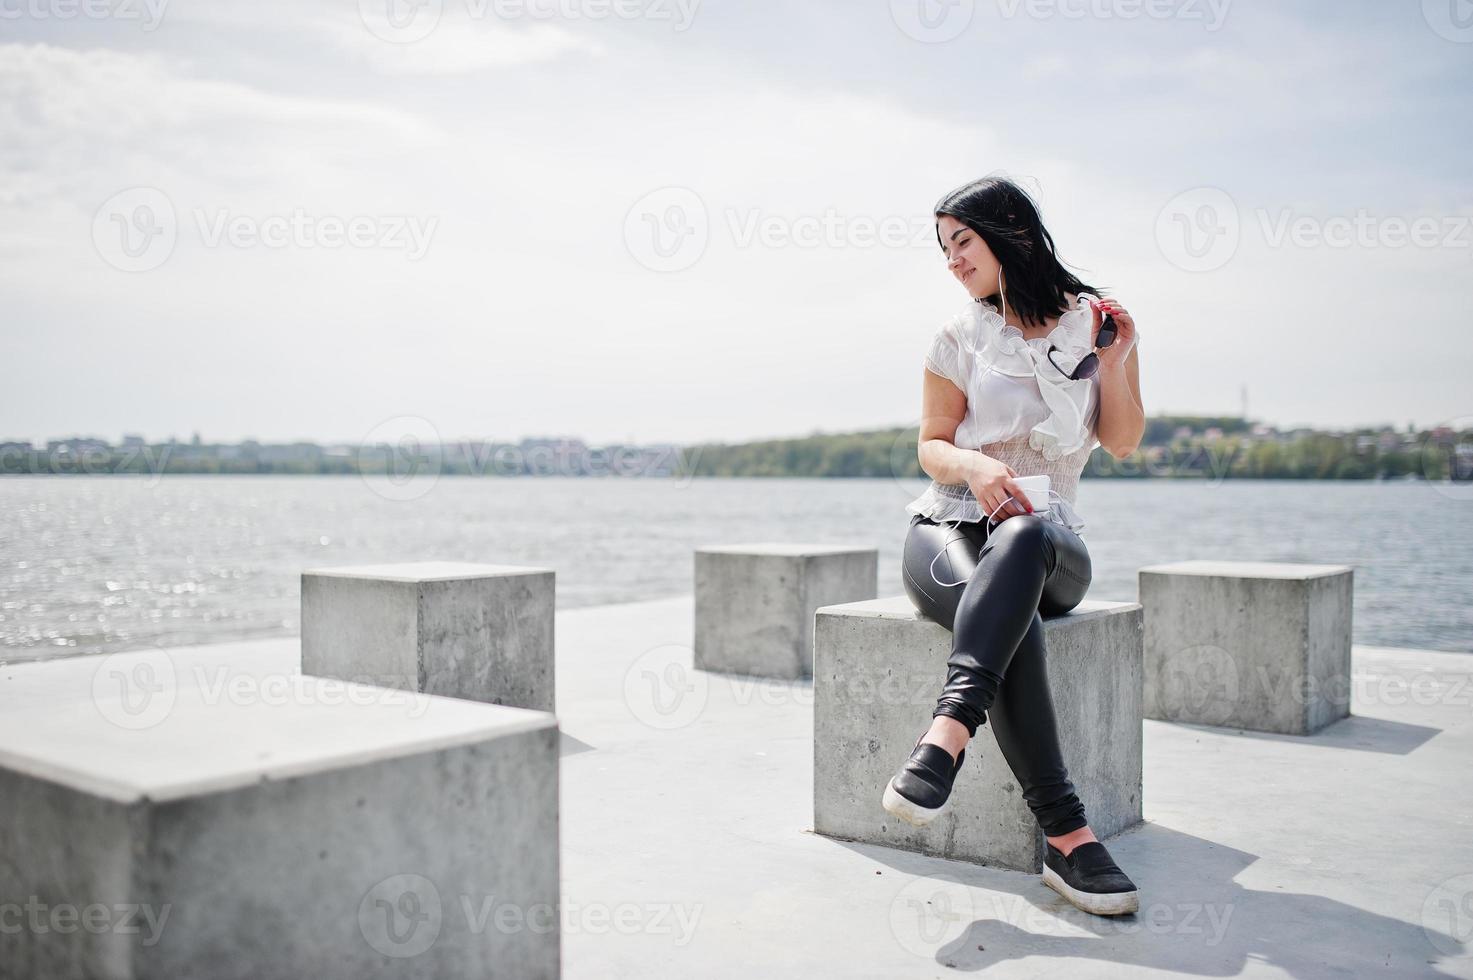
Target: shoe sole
(912,813)
(1110,903)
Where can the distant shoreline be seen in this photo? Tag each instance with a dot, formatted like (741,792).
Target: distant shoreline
(1173,447)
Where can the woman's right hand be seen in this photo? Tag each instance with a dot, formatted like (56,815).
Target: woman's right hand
(992,483)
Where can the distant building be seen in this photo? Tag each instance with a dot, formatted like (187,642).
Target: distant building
(76,447)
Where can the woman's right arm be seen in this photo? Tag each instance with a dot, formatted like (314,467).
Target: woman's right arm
(943,406)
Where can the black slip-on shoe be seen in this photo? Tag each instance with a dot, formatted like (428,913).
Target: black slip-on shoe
(1090,879)
(919,791)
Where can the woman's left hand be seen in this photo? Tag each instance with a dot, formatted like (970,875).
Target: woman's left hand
(1114,356)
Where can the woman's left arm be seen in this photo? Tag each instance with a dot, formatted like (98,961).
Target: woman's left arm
(1122,419)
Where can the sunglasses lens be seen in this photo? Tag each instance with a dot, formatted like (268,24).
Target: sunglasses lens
(1106,336)
(1087,367)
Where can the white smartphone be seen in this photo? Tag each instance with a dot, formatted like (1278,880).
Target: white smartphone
(1036,488)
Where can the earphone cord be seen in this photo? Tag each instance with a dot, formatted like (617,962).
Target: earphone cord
(956,526)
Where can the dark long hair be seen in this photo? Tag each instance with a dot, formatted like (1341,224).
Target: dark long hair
(1005,217)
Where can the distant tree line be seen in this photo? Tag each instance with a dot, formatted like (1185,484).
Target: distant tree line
(1173,446)
(1217,447)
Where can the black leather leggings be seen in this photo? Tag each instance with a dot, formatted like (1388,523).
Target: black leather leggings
(1024,567)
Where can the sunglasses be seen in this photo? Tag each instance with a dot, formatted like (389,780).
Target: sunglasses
(1091,363)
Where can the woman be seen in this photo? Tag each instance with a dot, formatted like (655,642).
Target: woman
(1027,381)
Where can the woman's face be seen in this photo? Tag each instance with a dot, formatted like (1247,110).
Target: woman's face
(968,257)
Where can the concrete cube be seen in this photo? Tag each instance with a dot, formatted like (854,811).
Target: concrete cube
(754,603)
(478,632)
(879,667)
(161,818)
(1256,645)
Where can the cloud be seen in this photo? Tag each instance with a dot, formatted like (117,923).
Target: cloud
(463,45)
(77,122)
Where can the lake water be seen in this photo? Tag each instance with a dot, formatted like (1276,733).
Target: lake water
(100,564)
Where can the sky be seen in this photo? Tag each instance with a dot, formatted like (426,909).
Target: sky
(687,220)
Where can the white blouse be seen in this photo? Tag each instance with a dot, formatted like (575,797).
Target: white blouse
(1017,397)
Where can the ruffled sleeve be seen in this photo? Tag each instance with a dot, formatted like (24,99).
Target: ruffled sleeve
(945,356)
